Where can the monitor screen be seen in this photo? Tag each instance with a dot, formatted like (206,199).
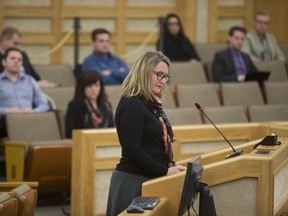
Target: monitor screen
(191,185)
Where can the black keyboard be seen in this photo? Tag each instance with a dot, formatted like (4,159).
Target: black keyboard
(146,202)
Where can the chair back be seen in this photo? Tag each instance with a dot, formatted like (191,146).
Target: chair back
(61,74)
(225,114)
(8,205)
(241,94)
(276,92)
(183,116)
(61,96)
(169,98)
(266,113)
(113,93)
(207,51)
(204,94)
(277,69)
(27,199)
(187,73)
(32,127)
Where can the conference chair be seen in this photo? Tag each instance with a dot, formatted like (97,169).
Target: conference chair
(265,113)
(205,94)
(187,73)
(60,97)
(183,116)
(241,94)
(169,97)
(27,199)
(8,205)
(284,48)
(207,51)
(225,114)
(276,92)
(36,152)
(277,69)
(61,74)
(113,93)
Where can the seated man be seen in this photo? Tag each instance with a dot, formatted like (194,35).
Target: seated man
(232,64)
(261,45)
(19,92)
(112,69)
(10,37)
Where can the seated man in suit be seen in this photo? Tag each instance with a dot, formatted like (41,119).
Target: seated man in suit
(11,37)
(261,45)
(232,64)
(112,69)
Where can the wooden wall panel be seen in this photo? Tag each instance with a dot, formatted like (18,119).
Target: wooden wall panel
(118,12)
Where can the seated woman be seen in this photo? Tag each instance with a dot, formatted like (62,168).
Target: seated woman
(89,107)
(176,45)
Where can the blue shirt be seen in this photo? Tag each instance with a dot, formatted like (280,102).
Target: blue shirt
(98,62)
(24,93)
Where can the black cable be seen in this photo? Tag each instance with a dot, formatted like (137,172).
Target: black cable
(194,210)
(66,201)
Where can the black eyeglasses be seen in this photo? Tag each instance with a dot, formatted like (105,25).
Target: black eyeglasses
(161,76)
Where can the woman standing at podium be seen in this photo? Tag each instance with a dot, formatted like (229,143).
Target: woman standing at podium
(144,132)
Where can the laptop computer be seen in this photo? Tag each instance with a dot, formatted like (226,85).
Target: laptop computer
(257,76)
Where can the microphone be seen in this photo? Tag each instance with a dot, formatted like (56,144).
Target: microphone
(235,153)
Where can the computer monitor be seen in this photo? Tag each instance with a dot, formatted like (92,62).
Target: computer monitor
(192,186)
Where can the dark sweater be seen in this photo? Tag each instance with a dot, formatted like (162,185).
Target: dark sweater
(140,135)
(78,117)
(178,48)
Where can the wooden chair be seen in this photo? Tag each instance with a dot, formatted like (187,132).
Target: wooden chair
(8,205)
(36,152)
(27,199)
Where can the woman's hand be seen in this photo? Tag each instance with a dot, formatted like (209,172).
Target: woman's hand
(175,169)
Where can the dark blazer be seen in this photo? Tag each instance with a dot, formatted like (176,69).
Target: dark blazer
(29,69)
(223,67)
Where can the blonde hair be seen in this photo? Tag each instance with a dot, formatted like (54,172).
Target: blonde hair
(137,82)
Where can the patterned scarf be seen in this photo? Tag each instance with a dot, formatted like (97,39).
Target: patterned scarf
(95,115)
(168,135)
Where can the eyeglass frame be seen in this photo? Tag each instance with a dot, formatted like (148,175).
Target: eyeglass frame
(160,76)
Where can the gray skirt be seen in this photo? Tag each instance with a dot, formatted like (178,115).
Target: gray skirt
(124,187)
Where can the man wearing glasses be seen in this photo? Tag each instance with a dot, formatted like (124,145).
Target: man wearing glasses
(261,45)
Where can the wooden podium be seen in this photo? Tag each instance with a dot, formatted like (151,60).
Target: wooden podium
(251,184)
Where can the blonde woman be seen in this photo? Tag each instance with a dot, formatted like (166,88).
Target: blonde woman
(144,132)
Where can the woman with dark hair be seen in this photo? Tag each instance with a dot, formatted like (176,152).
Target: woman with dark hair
(89,107)
(176,46)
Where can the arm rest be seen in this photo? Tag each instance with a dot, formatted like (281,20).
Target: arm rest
(15,160)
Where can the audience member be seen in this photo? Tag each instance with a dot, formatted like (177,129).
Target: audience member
(261,45)
(232,64)
(144,132)
(11,37)
(89,107)
(112,69)
(176,46)
(19,92)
